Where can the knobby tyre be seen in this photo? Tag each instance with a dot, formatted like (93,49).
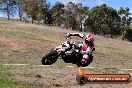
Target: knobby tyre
(49,58)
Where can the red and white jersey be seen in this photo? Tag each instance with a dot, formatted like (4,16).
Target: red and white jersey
(85,46)
(84,37)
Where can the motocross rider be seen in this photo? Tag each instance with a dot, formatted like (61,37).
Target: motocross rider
(87,46)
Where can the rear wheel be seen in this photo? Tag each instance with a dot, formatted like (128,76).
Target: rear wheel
(88,62)
(49,58)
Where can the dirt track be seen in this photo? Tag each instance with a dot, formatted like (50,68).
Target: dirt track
(52,77)
(16,49)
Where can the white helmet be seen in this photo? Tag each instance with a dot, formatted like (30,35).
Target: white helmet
(89,38)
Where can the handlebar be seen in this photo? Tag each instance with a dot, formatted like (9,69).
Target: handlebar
(68,37)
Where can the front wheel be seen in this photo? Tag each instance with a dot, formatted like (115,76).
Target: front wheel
(50,58)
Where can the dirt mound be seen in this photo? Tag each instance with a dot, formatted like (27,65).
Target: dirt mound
(22,43)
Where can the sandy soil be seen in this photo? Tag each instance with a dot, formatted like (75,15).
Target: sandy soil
(53,77)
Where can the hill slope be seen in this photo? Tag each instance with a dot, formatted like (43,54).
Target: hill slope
(22,43)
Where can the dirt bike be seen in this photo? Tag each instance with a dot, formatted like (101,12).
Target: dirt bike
(69,52)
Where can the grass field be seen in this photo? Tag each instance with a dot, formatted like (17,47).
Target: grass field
(22,43)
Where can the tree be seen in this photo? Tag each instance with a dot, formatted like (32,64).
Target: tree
(32,9)
(103,20)
(8,7)
(81,14)
(125,18)
(74,15)
(126,21)
(57,11)
(22,5)
(69,19)
(44,11)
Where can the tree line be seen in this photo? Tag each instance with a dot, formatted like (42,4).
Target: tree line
(103,20)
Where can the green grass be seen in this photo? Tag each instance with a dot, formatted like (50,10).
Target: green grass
(26,35)
(2,57)
(5,82)
(59,63)
(114,49)
(109,47)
